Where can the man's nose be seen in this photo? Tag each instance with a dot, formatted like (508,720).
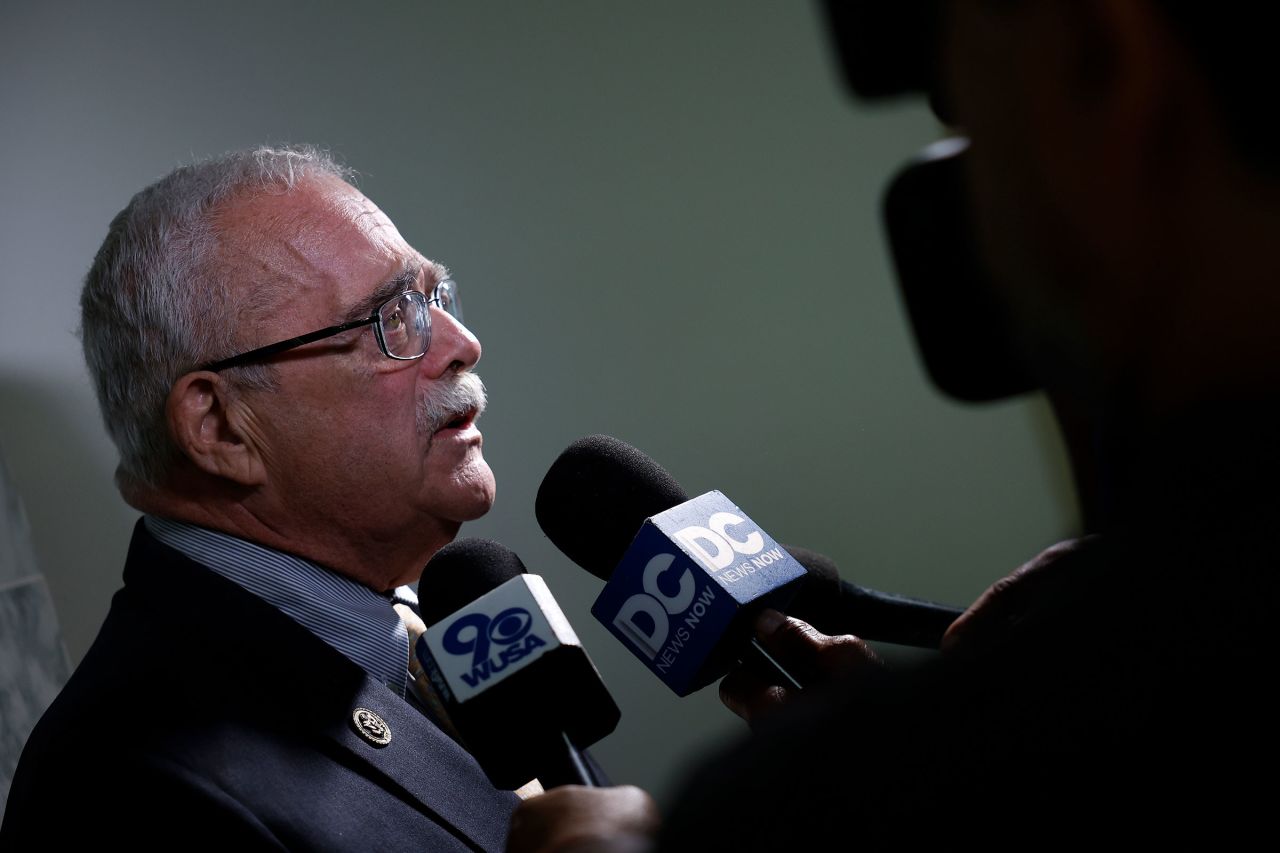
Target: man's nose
(453,347)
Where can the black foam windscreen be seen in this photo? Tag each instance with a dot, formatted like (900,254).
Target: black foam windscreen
(595,497)
(461,572)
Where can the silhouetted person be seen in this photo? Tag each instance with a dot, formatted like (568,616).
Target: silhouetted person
(1123,181)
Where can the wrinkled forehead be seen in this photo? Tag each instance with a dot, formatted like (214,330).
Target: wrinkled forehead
(353,210)
(319,248)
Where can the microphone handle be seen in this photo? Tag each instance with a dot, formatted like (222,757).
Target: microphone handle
(562,764)
(890,618)
(760,659)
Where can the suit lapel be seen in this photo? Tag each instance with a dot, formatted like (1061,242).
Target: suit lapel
(286,678)
(427,765)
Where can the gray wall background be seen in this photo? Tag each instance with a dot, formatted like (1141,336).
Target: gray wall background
(664,216)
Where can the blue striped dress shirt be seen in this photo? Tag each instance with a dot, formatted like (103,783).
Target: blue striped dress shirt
(350,617)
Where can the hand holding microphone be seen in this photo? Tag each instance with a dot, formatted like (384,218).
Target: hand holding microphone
(813,657)
(1037,584)
(622,819)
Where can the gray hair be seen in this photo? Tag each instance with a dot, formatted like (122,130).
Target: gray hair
(156,302)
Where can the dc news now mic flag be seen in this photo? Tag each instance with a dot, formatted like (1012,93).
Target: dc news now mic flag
(686,592)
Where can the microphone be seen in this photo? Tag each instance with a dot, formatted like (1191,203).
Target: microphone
(599,492)
(512,674)
(684,595)
(836,606)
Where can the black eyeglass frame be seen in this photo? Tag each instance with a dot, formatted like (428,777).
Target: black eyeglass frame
(320,334)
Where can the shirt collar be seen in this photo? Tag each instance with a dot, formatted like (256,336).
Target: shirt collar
(350,617)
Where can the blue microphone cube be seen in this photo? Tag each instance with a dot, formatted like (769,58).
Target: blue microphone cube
(688,588)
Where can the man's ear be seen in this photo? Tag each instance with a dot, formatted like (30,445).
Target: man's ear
(198,412)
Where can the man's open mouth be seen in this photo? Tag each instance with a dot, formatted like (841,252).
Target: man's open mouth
(462,420)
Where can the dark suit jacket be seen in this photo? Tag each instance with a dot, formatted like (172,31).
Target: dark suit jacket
(204,717)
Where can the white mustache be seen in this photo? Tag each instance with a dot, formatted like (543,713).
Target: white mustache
(449,400)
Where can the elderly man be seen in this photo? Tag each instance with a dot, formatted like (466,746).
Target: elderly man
(289,386)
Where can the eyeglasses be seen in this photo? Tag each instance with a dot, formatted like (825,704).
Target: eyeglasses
(402,325)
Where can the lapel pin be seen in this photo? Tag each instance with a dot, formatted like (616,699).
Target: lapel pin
(371,727)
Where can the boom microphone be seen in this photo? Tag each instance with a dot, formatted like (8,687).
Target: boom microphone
(512,674)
